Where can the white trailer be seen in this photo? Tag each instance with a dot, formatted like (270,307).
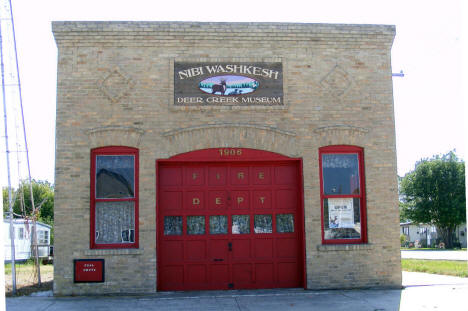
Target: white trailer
(23,239)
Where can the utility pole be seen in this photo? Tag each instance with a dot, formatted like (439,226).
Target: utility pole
(9,52)
(34,210)
(10,207)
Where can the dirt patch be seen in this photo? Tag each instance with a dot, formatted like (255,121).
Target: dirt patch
(26,279)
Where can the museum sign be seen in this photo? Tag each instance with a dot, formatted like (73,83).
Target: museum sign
(228,84)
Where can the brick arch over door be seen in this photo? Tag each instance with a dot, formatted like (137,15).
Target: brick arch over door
(232,135)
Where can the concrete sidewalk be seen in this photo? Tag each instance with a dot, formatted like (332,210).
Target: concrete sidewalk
(434,254)
(423,292)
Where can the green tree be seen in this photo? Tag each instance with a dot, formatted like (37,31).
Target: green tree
(403,206)
(43,193)
(435,193)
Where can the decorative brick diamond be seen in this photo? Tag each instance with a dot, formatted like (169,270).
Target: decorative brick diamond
(337,81)
(116,85)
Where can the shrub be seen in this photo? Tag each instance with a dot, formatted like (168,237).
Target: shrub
(402,240)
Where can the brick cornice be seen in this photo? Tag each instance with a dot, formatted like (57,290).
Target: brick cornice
(151,33)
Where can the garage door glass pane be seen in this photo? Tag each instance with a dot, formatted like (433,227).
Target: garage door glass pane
(284,223)
(195,224)
(115,222)
(172,225)
(240,224)
(263,224)
(218,224)
(340,174)
(115,176)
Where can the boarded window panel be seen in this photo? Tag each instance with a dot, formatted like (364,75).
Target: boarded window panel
(114,222)
(284,223)
(195,224)
(240,224)
(115,176)
(263,224)
(172,225)
(218,225)
(340,174)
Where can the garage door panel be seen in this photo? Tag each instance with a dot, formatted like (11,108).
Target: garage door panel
(173,251)
(219,275)
(288,274)
(171,200)
(286,199)
(239,199)
(217,176)
(172,277)
(239,175)
(196,274)
(194,200)
(218,249)
(170,176)
(217,200)
(241,249)
(194,176)
(263,248)
(285,175)
(242,274)
(261,175)
(264,273)
(196,250)
(261,199)
(286,248)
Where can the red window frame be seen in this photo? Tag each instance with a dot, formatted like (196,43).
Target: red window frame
(112,150)
(345,149)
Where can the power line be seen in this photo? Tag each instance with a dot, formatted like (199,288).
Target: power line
(11,81)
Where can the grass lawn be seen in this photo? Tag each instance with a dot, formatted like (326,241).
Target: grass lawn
(26,279)
(446,267)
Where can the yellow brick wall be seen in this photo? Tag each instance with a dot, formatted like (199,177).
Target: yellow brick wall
(337,89)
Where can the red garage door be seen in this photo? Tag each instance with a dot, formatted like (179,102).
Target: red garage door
(229,219)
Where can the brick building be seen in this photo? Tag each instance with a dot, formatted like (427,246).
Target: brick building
(224,156)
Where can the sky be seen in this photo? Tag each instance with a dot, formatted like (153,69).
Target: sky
(429,114)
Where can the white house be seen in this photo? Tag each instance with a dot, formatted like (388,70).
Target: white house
(23,238)
(426,234)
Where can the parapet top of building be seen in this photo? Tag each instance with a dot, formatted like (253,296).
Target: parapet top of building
(66,31)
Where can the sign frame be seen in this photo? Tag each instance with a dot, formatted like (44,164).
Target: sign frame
(229,102)
(102,276)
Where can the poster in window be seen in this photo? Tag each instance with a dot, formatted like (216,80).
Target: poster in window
(341,213)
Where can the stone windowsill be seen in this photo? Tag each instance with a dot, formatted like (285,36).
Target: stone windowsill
(123,251)
(344,247)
